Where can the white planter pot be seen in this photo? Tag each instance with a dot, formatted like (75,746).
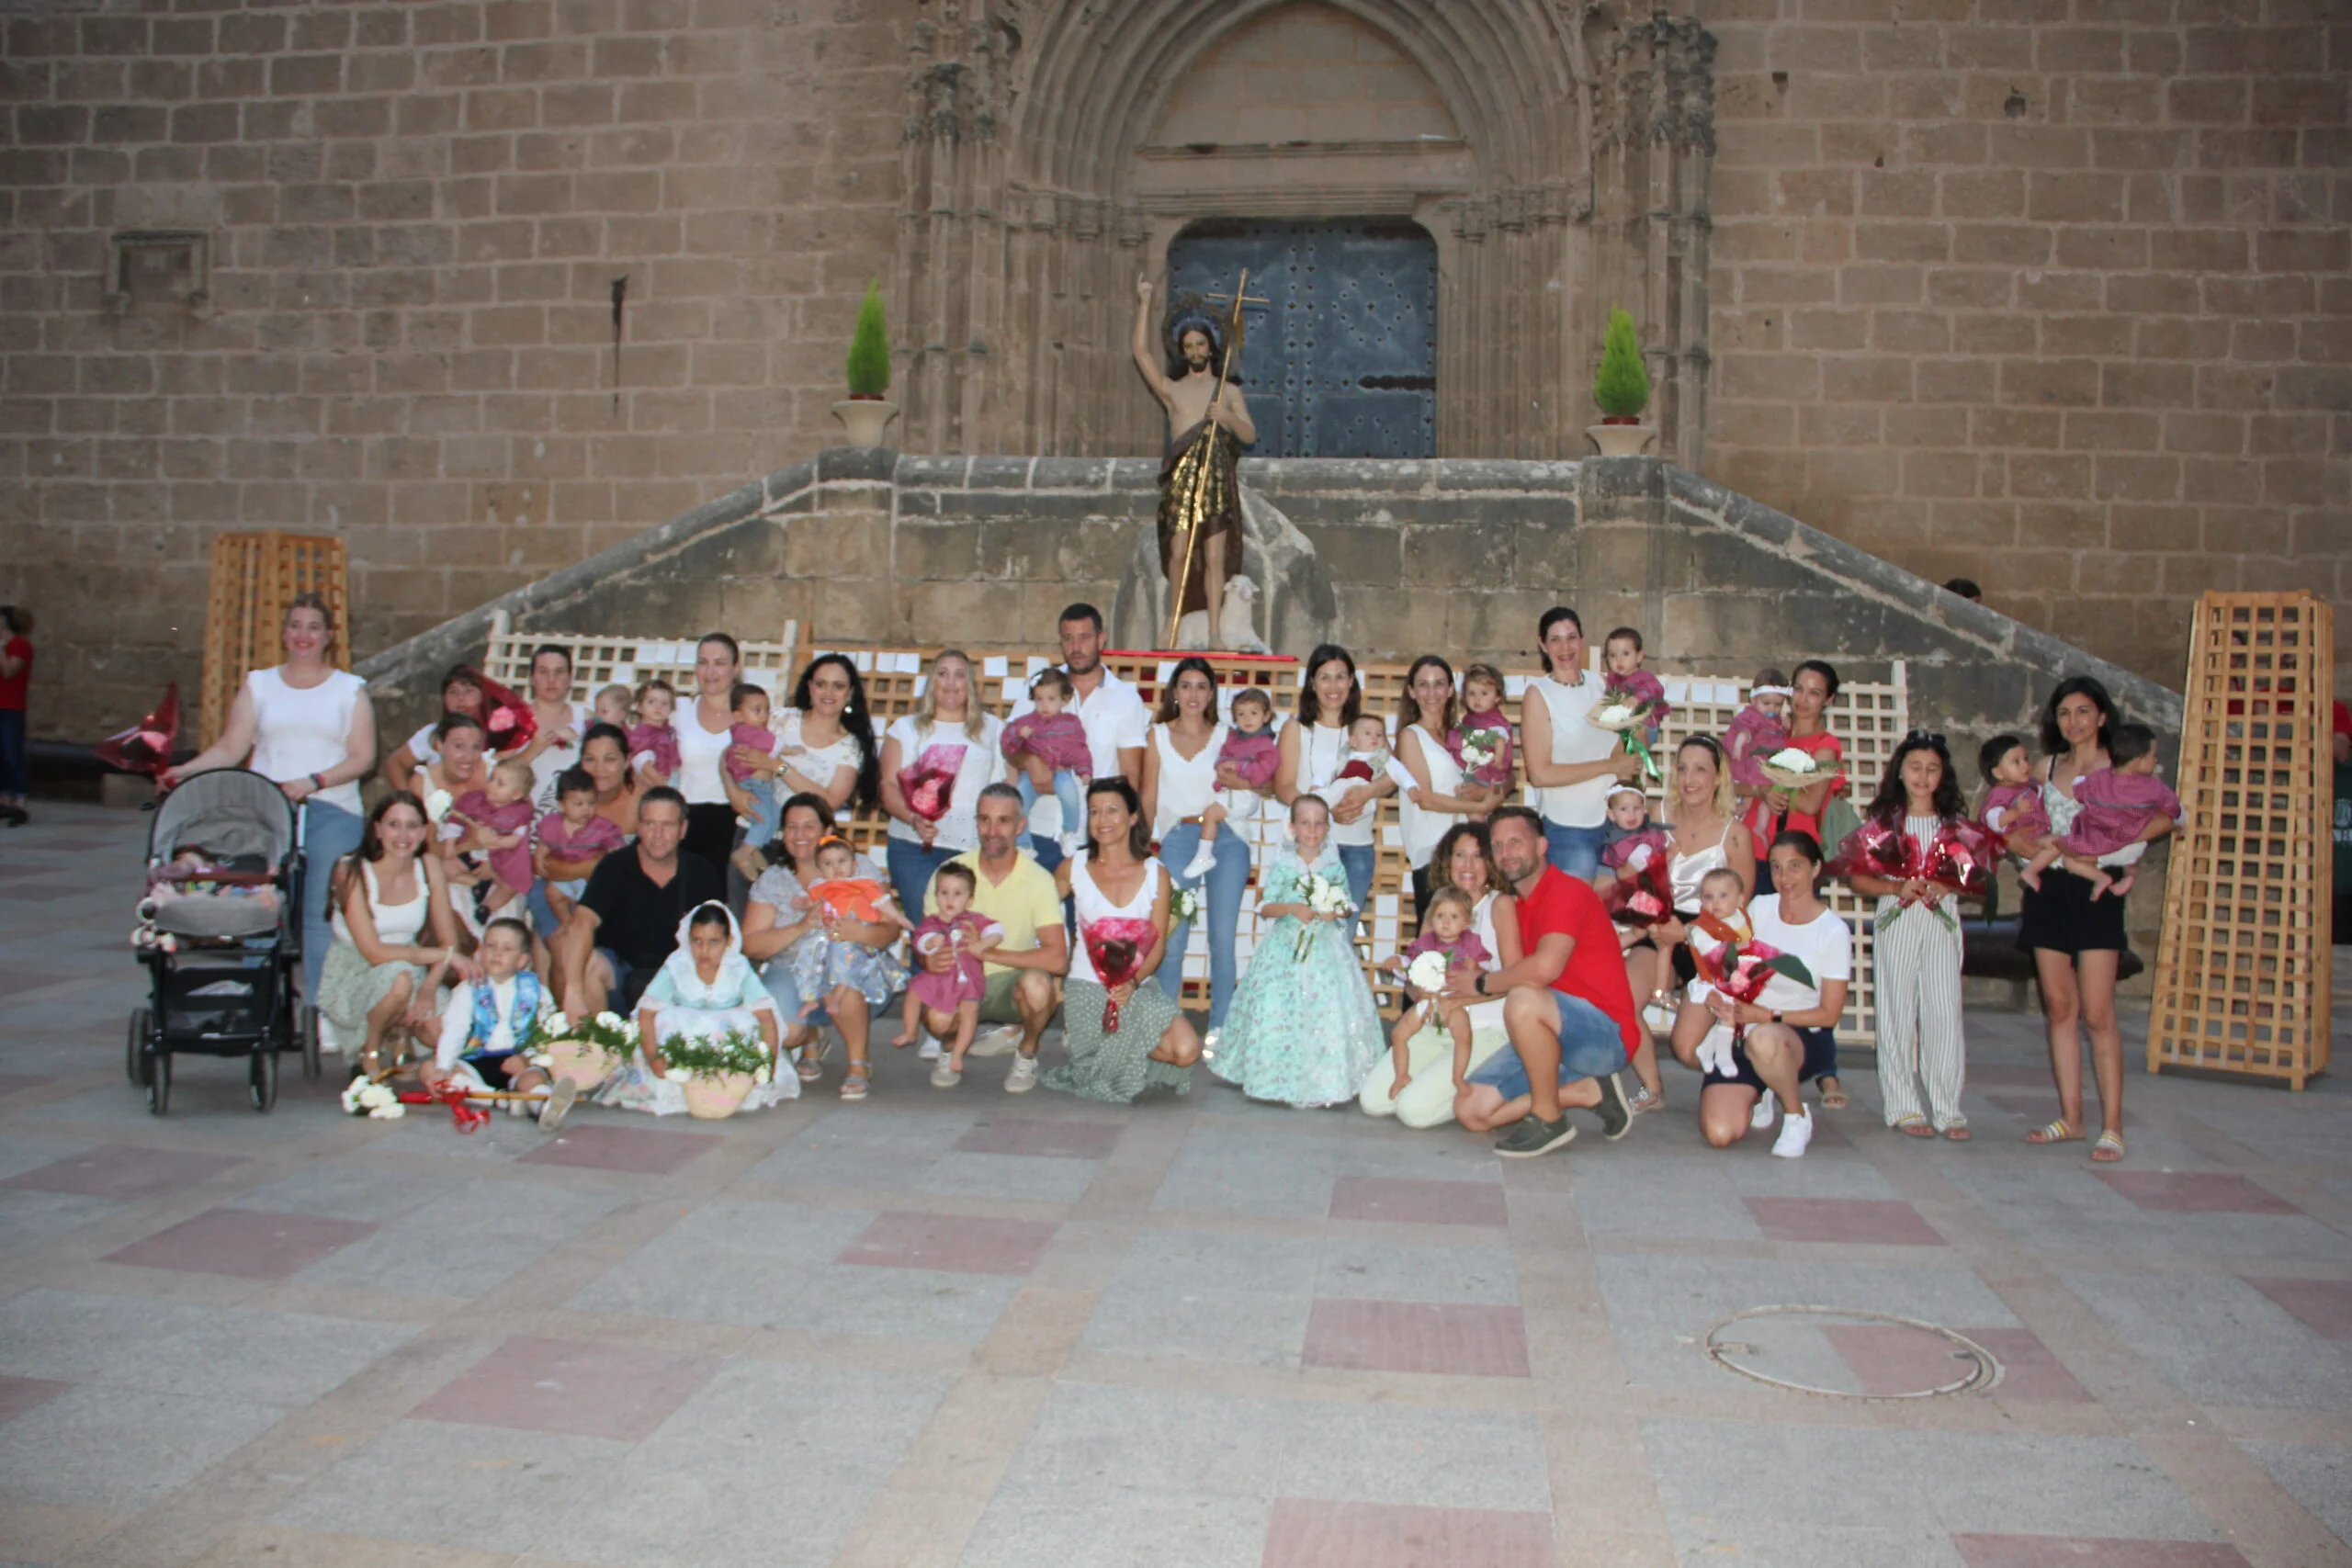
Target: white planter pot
(1621,440)
(864,419)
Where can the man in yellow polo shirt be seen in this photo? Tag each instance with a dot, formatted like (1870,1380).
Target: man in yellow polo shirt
(1024,972)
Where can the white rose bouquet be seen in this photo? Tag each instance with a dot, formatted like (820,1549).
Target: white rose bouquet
(1793,767)
(1183,905)
(374,1101)
(1325,895)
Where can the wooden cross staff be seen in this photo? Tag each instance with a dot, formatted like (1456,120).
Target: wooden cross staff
(1233,335)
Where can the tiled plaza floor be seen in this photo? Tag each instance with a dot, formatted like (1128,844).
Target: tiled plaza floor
(962,1329)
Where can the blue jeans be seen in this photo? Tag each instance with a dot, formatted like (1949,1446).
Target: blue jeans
(15,780)
(1575,850)
(911,866)
(767,813)
(329,833)
(1069,789)
(1222,889)
(1358,861)
(543,921)
(1049,855)
(1591,1046)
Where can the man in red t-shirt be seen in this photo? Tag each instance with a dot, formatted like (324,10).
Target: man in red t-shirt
(1567,1007)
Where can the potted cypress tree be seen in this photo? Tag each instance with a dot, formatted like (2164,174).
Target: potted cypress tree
(868,410)
(1622,388)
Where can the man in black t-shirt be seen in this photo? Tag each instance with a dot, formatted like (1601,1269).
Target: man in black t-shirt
(626,925)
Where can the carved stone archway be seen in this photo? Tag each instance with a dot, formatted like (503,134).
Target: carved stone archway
(1033,199)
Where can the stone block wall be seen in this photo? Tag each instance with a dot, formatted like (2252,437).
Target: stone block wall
(2057,297)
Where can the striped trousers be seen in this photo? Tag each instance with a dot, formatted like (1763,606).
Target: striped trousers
(1922,1053)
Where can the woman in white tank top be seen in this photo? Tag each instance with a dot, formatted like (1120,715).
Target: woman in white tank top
(1178,784)
(1570,763)
(1128,1037)
(1437,801)
(309,727)
(1461,859)
(1315,744)
(395,935)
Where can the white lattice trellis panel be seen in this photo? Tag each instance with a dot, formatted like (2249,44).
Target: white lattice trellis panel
(600,660)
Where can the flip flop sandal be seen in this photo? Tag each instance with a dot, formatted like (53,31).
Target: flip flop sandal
(2107,1148)
(1914,1127)
(854,1087)
(1834,1099)
(1957,1132)
(2053,1132)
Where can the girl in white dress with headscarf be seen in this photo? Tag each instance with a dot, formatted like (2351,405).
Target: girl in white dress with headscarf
(706,990)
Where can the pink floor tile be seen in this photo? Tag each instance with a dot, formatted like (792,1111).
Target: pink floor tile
(2195,1192)
(1310,1533)
(2028,1371)
(1416,1336)
(576,1389)
(1042,1138)
(957,1244)
(638,1150)
(2079,1551)
(1888,1359)
(120,1170)
(20,1395)
(249,1243)
(2323,1305)
(1884,1222)
(1412,1203)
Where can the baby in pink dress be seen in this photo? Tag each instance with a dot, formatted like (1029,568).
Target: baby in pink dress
(1048,749)
(947,1003)
(497,823)
(652,740)
(1758,730)
(2115,806)
(1484,730)
(2013,805)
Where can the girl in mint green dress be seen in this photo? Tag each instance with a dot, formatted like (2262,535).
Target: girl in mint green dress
(1302,1029)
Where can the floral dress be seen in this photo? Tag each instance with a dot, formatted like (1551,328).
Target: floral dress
(1302,1029)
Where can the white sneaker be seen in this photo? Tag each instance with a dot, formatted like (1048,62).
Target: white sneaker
(1796,1132)
(1001,1041)
(926,1048)
(1761,1117)
(946,1076)
(1209,1042)
(1023,1075)
(1204,861)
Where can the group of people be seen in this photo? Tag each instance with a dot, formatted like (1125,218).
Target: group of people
(680,855)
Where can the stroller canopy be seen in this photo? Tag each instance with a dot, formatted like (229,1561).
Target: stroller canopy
(229,813)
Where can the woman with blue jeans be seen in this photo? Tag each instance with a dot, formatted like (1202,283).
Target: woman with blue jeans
(1315,745)
(949,734)
(309,727)
(1179,784)
(1570,763)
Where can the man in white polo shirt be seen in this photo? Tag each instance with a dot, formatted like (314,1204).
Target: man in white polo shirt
(1115,719)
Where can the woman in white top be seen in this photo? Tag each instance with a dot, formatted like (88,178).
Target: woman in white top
(1315,746)
(1463,860)
(825,744)
(460,693)
(307,726)
(1439,800)
(394,933)
(1570,763)
(460,763)
(1115,878)
(1178,784)
(560,722)
(1791,1030)
(950,730)
(706,732)
(1705,835)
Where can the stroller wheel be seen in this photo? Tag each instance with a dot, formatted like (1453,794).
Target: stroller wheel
(159,1083)
(261,1080)
(310,1027)
(134,1050)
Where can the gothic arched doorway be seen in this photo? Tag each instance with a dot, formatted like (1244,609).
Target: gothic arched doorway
(1342,359)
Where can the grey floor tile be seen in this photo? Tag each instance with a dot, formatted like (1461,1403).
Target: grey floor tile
(2220,1341)
(334,1190)
(106,1447)
(1377,1270)
(487,1488)
(470,1237)
(2319,1478)
(1105,1524)
(183,1349)
(30,1219)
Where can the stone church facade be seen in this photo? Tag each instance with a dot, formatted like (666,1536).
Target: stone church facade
(2055,294)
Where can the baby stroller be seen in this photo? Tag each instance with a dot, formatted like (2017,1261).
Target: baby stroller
(220,935)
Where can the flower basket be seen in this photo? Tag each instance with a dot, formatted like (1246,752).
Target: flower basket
(587,1052)
(1792,769)
(715,1098)
(584,1062)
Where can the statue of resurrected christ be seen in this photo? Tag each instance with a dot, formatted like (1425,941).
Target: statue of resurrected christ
(1200,494)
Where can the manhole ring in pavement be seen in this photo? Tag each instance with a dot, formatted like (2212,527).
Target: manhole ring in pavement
(1916,1354)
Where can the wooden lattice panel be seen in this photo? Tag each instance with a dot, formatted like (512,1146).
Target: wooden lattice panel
(600,660)
(2242,970)
(1870,718)
(254,577)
